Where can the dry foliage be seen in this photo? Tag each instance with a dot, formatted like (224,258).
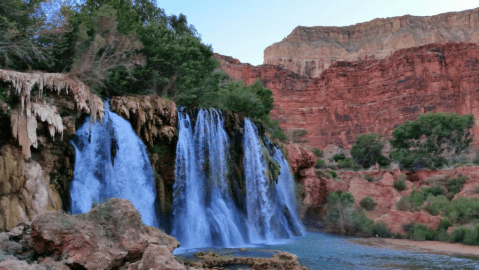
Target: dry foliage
(108,50)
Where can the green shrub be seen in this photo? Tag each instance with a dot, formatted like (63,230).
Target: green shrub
(320,163)
(368,203)
(417,144)
(400,185)
(368,177)
(298,134)
(348,163)
(366,150)
(432,191)
(436,205)
(333,174)
(339,156)
(458,235)
(412,202)
(381,230)
(317,152)
(455,185)
(419,232)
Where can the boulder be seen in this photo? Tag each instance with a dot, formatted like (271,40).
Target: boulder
(109,235)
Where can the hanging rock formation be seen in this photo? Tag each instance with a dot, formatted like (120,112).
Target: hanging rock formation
(40,110)
(311,50)
(351,98)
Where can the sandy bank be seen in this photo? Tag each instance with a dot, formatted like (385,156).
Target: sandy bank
(433,247)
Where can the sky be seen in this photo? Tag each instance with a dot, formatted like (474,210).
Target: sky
(243,29)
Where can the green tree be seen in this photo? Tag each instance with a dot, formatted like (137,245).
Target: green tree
(419,143)
(367,150)
(25,35)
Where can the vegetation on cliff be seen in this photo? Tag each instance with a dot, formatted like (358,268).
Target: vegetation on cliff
(420,143)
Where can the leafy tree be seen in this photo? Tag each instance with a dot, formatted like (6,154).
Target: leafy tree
(367,150)
(25,35)
(418,144)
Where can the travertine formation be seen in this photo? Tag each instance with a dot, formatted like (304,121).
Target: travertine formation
(33,108)
(351,98)
(311,50)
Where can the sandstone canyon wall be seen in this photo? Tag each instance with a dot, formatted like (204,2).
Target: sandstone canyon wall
(311,50)
(351,98)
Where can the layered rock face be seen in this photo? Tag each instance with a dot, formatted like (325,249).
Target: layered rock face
(311,50)
(351,98)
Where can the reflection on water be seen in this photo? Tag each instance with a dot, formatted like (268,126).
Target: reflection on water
(323,251)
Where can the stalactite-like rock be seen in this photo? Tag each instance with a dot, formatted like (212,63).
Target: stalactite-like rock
(24,117)
(150,116)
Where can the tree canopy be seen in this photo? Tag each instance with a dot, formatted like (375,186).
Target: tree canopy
(367,150)
(420,143)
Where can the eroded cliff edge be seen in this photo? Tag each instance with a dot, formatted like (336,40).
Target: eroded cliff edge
(351,98)
(311,50)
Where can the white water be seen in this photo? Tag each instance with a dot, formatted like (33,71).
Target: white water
(203,213)
(100,174)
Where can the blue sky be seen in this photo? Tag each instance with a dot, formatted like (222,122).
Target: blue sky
(243,29)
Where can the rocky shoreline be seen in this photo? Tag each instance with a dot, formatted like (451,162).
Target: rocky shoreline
(110,236)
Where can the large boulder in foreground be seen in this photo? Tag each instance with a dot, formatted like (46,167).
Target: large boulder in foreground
(107,237)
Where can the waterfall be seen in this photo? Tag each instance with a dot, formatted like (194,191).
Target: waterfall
(112,162)
(203,211)
(209,209)
(286,201)
(271,207)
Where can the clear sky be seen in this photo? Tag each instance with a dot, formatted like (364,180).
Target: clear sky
(243,29)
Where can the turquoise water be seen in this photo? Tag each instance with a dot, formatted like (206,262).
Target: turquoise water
(323,251)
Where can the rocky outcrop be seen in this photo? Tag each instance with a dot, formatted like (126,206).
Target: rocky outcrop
(351,98)
(279,260)
(107,237)
(311,189)
(311,50)
(25,189)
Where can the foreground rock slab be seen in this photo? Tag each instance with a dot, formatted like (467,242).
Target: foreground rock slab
(107,237)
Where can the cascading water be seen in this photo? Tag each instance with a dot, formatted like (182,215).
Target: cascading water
(111,162)
(286,201)
(271,208)
(203,212)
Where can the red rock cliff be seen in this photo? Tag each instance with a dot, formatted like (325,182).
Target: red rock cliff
(351,98)
(311,50)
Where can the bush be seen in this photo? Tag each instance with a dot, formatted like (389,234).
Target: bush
(320,163)
(333,174)
(400,185)
(419,232)
(366,150)
(368,203)
(455,185)
(368,177)
(348,163)
(419,143)
(436,205)
(317,152)
(432,191)
(339,156)
(298,134)
(413,202)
